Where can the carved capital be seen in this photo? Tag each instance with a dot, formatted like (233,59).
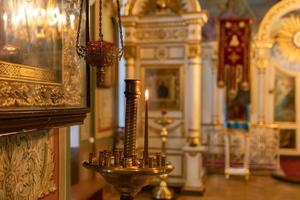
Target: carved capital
(194,50)
(262,63)
(130,52)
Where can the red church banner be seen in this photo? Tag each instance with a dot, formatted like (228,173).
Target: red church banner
(234,54)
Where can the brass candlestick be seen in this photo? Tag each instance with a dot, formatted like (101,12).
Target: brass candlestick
(162,191)
(124,169)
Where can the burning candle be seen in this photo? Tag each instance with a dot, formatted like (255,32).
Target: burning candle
(5,21)
(72,21)
(146,128)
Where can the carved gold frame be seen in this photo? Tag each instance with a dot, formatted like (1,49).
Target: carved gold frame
(24,86)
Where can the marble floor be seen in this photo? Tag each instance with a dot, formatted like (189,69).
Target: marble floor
(218,188)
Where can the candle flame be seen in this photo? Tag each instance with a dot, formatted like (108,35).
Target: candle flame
(147,94)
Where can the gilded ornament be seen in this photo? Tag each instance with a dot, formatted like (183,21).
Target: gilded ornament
(12,70)
(262,63)
(277,10)
(194,50)
(162,34)
(162,53)
(130,52)
(288,38)
(27,166)
(162,7)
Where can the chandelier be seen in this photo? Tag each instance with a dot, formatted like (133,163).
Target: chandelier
(99,53)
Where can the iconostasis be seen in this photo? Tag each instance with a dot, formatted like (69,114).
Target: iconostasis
(272,102)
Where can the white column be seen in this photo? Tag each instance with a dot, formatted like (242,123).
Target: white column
(193,149)
(194,98)
(130,58)
(215,105)
(261,65)
(130,68)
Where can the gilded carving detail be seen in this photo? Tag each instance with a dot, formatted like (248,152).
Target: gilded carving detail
(27,166)
(288,38)
(162,6)
(20,71)
(162,53)
(161,34)
(194,50)
(277,10)
(130,52)
(262,63)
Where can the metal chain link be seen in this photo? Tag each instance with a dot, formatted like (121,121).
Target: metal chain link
(120,29)
(79,28)
(100,21)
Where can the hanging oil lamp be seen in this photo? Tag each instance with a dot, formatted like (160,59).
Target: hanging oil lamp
(99,53)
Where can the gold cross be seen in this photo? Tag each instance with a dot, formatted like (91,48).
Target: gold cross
(234,57)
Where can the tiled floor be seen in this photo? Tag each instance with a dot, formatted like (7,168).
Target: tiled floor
(257,188)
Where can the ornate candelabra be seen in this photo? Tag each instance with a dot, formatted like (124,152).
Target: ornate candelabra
(127,172)
(162,191)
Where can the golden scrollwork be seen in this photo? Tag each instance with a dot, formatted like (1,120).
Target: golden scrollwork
(27,167)
(288,38)
(161,34)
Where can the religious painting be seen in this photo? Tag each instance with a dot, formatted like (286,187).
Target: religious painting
(287,139)
(284,98)
(237,108)
(32,34)
(164,87)
(37,48)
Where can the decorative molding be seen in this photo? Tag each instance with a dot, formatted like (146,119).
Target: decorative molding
(288,38)
(17,71)
(159,34)
(13,121)
(27,166)
(275,12)
(161,7)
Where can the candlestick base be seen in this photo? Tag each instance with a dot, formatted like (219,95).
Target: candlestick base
(128,181)
(162,191)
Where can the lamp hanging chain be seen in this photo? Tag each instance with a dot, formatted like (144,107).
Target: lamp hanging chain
(100,21)
(120,29)
(78,48)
